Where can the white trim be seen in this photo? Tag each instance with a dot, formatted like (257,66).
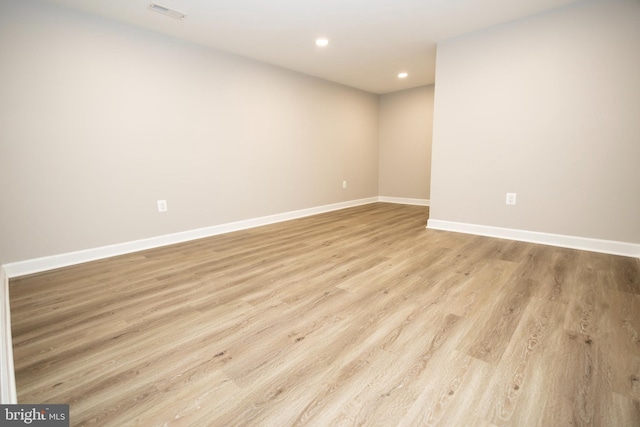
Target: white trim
(404,201)
(31,266)
(573,242)
(7,375)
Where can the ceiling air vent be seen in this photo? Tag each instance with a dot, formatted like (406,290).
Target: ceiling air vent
(166,11)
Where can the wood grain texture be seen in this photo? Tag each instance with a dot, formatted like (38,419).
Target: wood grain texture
(356,317)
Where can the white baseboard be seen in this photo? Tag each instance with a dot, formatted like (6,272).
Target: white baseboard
(7,376)
(404,201)
(573,242)
(31,266)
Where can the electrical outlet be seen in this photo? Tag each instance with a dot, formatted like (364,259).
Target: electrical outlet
(162,205)
(344,184)
(511,198)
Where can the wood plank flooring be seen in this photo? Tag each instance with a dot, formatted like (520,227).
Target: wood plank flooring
(355,317)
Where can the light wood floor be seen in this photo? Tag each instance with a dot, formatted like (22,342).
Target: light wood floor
(356,317)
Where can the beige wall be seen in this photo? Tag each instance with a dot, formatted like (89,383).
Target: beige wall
(404,129)
(99,120)
(547,107)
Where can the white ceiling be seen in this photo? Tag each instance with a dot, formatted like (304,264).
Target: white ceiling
(370,41)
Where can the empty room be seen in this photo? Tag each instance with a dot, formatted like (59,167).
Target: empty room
(282,213)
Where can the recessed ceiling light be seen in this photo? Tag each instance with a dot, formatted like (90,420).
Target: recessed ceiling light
(166,11)
(402,75)
(322,42)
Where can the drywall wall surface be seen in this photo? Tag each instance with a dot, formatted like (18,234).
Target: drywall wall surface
(404,131)
(99,120)
(547,107)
